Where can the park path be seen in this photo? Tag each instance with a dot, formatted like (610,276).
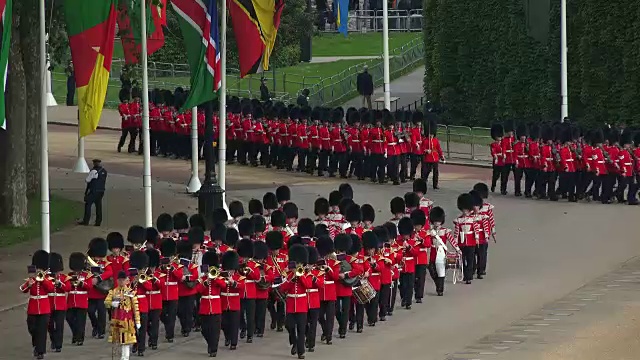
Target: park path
(407,88)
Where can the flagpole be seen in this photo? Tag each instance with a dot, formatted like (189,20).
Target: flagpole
(385,54)
(222,93)
(44,133)
(194,183)
(81,166)
(564,91)
(146,145)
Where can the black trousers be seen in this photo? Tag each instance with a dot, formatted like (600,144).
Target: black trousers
(607,187)
(243,151)
(504,176)
(248,316)
(153,328)
(421,277)
(56,328)
(302,159)
(392,168)
(481,258)
(141,334)
(37,326)
(518,173)
(634,184)
(327,318)
(97,315)
(312,327)
(469,261)
(71,92)
(337,163)
(276,312)
(356,314)
(77,320)
(312,159)
(342,313)
(415,159)
(357,165)
(232,147)
(378,167)
(323,162)
(407,282)
(371,309)
(263,149)
(230,325)
(547,182)
(296,326)
(123,137)
(437,281)
(392,298)
(530,176)
(427,168)
(568,184)
(93,198)
(211,331)
(623,182)
(168,317)
(261,315)
(186,305)
(403,159)
(153,145)
(496,171)
(384,297)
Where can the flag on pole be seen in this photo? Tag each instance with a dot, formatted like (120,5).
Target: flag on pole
(129,28)
(91,26)
(199,26)
(342,16)
(5,10)
(255,25)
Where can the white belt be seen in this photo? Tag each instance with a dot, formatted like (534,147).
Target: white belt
(408,258)
(548,159)
(568,160)
(375,274)
(312,290)
(209,297)
(230,294)
(508,150)
(325,139)
(522,156)
(39,297)
(171,283)
(392,144)
(328,282)
(424,249)
(296,295)
(377,141)
(338,140)
(249,281)
(141,296)
(600,162)
(355,141)
(57,294)
(155,292)
(75,292)
(627,164)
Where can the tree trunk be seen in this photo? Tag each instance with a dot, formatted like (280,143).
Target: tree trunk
(29,43)
(13,194)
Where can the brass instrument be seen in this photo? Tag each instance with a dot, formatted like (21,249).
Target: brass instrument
(289,231)
(90,261)
(213,272)
(41,275)
(556,154)
(75,281)
(299,271)
(280,271)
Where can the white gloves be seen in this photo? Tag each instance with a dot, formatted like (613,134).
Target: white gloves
(137,326)
(115,304)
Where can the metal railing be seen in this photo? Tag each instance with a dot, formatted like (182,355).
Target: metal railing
(371,21)
(463,142)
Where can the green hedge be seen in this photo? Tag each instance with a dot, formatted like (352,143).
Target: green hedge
(487,60)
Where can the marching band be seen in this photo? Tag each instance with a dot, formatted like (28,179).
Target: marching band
(331,272)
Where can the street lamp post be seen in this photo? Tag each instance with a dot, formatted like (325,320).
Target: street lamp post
(210,194)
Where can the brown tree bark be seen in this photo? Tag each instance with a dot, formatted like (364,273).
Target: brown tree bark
(29,43)
(13,189)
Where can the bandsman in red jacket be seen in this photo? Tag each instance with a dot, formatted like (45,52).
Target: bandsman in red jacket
(567,171)
(439,236)
(38,286)
(58,300)
(482,233)
(410,250)
(101,280)
(343,243)
(135,110)
(466,234)
(77,298)
(173,274)
(249,270)
(433,154)
(521,156)
(186,286)
(157,278)
(210,285)
(377,266)
(532,167)
(395,251)
(277,260)
(416,140)
(357,310)
(118,256)
(230,298)
(423,245)
(328,295)
(392,148)
(296,284)
(126,121)
(339,141)
(353,218)
(263,285)
(313,296)
(139,278)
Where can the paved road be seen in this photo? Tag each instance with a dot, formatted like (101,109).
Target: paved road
(544,252)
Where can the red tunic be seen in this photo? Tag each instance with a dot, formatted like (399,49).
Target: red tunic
(107,272)
(296,289)
(173,275)
(331,276)
(497,154)
(230,294)
(125,116)
(417,139)
(135,113)
(141,293)
(433,151)
(507,149)
(465,230)
(58,297)
(314,136)
(313,293)
(209,290)
(598,161)
(391,144)
(520,150)
(377,143)
(38,296)
(338,142)
(302,137)
(567,162)
(356,270)
(625,162)
(355,139)
(117,263)
(78,295)
(155,294)
(192,272)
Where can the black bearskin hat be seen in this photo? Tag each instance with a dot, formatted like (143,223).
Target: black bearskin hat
(405,226)
(210,258)
(220,216)
(546,133)
(136,235)
(306,227)
(245,227)
(392,229)
(397,205)
(56,264)
(290,210)
(180,221)
(270,201)
(417,117)
(420,186)
(342,242)
(346,190)
(368,213)
(356,244)
(245,248)
(278,219)
(255,207)
(370,240)
(295,239)
(154,257)
(197,220)
(636,138)
(298,254)
(465,202)
(497,131)
(231,237)
(274,240)
(482,189)
(138,260)
(219,232)
(334,198)
(313,254)
(321,229)
(124,94)
(196,235)
(283,193)
(436,215)
(321,206)
(509,125)
(115,240)
(626,138)
(236,209)
(418,217)
(164,222)
(353,213)
(382,234)
(184,249)
(344,205)
(168,247)
(522,130)
(260,250)
(411,200)
(324,244)
(534,131)
(77,261)
(98,247)
(565,135)
(476,198)
(259,224)
(230,260)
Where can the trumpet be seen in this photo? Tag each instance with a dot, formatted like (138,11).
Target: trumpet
(213,272)
(299,271)
(41,275)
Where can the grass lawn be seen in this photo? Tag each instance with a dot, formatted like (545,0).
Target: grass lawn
(358,44)
(63,213)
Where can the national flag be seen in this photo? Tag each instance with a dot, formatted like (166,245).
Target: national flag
(255,25)
(91,26)
(199,26)
(5,10)
(130,27)
(341,12)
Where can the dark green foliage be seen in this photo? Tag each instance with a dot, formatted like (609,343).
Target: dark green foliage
(482,64)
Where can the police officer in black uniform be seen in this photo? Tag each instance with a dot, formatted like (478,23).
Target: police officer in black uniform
(96,181)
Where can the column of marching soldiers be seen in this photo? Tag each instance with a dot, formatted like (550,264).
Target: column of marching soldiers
(305,272)
(378,145)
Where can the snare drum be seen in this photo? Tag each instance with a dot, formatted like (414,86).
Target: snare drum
(453,261)
(364,292)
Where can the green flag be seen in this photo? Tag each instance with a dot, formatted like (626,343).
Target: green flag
(5,9)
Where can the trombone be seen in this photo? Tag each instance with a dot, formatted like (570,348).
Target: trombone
(90,261)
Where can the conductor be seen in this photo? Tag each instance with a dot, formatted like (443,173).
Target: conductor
(96,181)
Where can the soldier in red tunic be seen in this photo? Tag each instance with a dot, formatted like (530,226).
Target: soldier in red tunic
(314,141)
(230,297)
(625,163)
(465,234)
(416,139)
(567,169)
(432,150)
(392,148)
(101,274)
(325,144)
(135,110)
(507,143)
(58,300)
(38,286)
(302,138)
(521,156)
(532,170)
(248,269)
(278,260)
(77,299)
(356,146)
(126,119)
(338,145)
(209,287)
(296,284)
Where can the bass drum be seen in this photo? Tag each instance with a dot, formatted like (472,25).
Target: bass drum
(345,267)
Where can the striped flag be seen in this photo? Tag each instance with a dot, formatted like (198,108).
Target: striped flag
(5,10)
(199,26)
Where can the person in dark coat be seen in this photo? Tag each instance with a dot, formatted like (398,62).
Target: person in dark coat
(96,184)
(365,86)
(71,84)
